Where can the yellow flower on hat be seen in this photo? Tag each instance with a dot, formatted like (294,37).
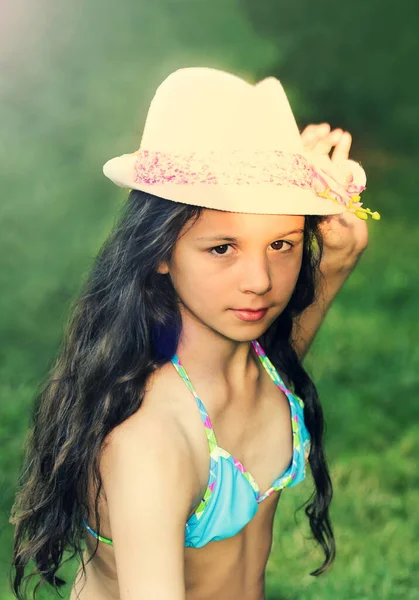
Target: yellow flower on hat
(342,182)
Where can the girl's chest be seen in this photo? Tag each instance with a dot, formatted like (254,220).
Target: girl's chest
(255,435)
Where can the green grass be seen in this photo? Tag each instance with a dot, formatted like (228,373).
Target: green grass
(78,98)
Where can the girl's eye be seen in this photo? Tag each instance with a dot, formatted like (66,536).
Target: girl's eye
(226,246)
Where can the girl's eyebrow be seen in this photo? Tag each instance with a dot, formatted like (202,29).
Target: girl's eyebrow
(228,238)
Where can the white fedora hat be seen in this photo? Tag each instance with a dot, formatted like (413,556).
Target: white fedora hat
(212,139)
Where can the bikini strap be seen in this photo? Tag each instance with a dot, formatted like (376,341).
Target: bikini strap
(212,442)
(270,367)
(273,372)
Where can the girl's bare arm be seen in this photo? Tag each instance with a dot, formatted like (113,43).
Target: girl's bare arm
(310,320)
(148,481)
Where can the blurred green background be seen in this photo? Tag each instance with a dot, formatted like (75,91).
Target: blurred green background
(76,82)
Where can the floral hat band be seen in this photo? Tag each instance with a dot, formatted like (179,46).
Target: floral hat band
(211,139)
(240,167)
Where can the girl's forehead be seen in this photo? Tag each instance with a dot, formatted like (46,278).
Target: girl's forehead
(214,222)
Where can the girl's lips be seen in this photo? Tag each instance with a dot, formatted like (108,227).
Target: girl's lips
(250,315)
(251,309)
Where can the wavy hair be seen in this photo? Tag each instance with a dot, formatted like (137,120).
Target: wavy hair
(124,324)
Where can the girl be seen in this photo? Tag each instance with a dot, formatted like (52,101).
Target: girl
(178,408)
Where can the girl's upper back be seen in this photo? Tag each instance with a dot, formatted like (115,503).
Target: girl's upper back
(232,495)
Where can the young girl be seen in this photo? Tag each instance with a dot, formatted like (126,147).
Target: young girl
(178,408)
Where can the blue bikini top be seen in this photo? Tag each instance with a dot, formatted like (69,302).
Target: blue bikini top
(232,496)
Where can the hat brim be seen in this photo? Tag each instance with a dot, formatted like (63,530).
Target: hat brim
(258,198)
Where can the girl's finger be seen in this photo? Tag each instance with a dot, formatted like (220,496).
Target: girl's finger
(312,133)
(341,152)
(325,144)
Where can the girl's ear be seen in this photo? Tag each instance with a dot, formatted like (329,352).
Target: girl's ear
(163,269)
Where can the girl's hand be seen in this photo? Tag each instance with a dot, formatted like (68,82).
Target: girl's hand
(345,235)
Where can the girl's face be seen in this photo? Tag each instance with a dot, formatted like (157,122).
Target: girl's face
(258,268)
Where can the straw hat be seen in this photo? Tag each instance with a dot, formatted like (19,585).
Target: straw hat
(212,139)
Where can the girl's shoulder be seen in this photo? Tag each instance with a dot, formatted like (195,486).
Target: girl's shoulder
(156,427)
(159,409)
(161,417)
(164,394)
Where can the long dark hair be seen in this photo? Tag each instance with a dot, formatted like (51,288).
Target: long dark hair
(124,325)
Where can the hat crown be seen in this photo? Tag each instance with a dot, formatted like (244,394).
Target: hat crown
(201,109)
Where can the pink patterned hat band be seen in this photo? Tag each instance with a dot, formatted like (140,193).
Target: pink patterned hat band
(341,181)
